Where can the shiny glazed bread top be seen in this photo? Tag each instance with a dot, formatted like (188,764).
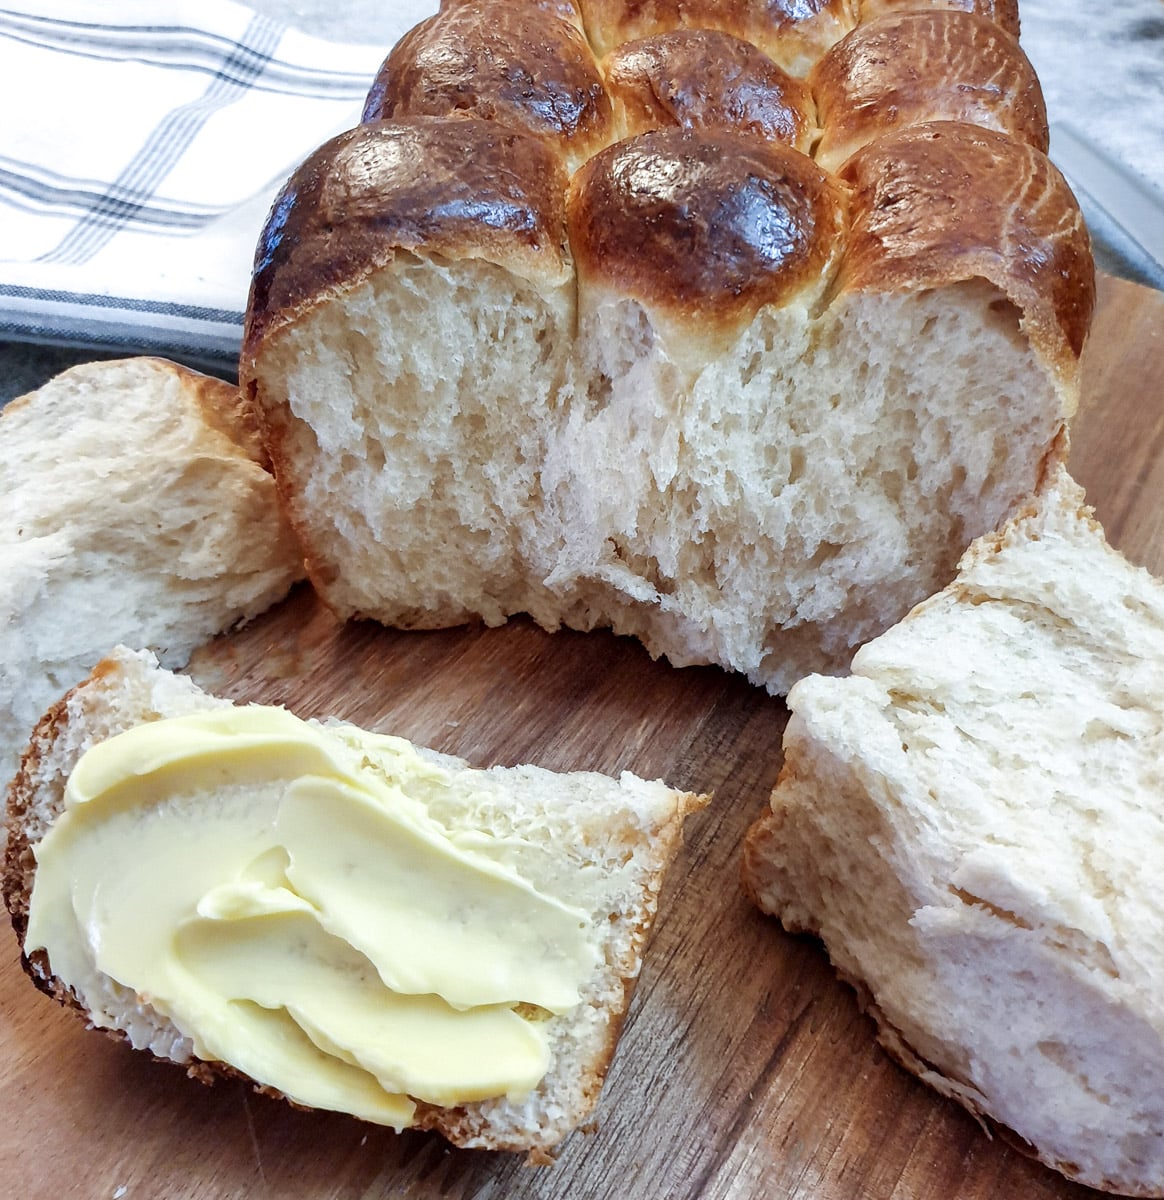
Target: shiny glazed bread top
(690,130)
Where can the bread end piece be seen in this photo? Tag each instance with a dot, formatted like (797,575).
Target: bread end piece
(610,840)
(967,822)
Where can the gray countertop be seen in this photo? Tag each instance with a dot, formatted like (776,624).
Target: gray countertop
(1101,67)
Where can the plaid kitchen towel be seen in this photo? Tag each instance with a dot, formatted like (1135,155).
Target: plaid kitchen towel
(142,144)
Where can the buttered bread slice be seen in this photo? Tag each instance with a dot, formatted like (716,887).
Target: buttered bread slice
(346,920)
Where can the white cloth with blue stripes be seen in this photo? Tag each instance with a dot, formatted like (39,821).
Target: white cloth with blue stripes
(142,145)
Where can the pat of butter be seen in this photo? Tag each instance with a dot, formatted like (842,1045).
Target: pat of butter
(279,890)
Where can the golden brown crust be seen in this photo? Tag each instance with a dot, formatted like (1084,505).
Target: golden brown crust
(1002,12)
(944,202)
(705,228)
(278,425)
(705,79)
(503,62)
(565,10)
(912,67)
(225,408)
(793,32)
(23,830)
(419,185)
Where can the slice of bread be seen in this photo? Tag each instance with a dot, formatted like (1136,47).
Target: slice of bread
(972,822)
(138,509)
(598,844)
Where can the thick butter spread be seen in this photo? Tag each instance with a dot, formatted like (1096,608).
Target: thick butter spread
(280,891)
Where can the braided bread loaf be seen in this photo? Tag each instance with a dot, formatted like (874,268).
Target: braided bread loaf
(574,324)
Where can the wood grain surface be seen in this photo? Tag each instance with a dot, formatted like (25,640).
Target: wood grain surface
(745,1069)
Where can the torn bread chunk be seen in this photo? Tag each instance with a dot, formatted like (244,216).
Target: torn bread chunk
(971,823)
(138,508)
(343,919)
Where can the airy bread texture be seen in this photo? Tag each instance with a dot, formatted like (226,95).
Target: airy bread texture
(139,508)
(971,822)
(596,843)
(700,388)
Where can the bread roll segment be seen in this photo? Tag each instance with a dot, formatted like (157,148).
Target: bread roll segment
(947,201)
(503,62)
(915,67)
(706,393)
(970,822)
(704,227)
(706,79)
(462,189)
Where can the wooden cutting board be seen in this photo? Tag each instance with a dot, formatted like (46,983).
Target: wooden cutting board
(745,1068)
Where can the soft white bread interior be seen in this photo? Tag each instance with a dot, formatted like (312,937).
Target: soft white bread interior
(598,844)
(971,822)
(745,405)
(138,508)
